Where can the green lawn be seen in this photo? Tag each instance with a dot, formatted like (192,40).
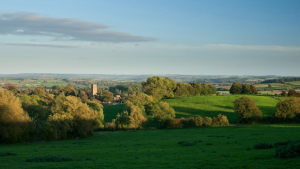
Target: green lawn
(111,111)
(217,147)
(210,106)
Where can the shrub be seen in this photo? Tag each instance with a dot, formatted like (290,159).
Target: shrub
(246,110)
(7,154)
(291,150)
(282,143)
(50,158)
(207,121)
(221,120)
(189,122)
(199,121)
(263,146)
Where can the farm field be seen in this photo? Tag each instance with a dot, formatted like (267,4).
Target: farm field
(216,147)
(294,83)
(34,82)
(211,106)
(206,106)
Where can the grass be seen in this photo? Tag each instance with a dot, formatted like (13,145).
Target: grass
(211,106)
(111,111)
(294,83)
(160,149)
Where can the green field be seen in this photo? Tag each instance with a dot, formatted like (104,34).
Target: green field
(206,106)
(216,147)
(294,83)
(111,111)
(210,106)
(38,82)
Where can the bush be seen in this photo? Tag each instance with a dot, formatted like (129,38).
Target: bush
(7,154)
(263,146)
(246,110)
(291,150)
(207,121)
(186,143)
(15,124)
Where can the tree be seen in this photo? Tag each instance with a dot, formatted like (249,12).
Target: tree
(15,123)
(99,109)
(181,90)
(246,110)
(163,111)
(70,119)
(293,93)
(283,94)
(288,109)
(137,118)
(143,101)
(70,91)
(236,88)
(40,91)
(159,87)
(253,89)
(246,89)
(108,96)
(12,88)
(123,120)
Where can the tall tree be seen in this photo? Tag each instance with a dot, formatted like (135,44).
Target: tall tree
(246,89)
(108,96)
(159,87)
(236,88)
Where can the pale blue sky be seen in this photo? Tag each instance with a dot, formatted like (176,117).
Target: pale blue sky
(212,37)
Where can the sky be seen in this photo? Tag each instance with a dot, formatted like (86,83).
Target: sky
(192,37)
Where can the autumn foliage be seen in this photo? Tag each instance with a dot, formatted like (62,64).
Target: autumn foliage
(15,124)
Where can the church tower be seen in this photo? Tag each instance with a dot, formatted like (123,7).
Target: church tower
(93,90)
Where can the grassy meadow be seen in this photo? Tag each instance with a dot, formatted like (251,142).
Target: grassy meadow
(214,147)
(111,111)
(211,106)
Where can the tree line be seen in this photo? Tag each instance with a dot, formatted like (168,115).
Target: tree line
(239,88)
(282,80)
(66,112)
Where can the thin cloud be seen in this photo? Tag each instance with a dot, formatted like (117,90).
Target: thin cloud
(251,47)
(233,47)
(85,58)
(41,45)
(24,23)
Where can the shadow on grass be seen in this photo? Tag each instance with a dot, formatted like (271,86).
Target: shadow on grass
(203,113)
(267,110)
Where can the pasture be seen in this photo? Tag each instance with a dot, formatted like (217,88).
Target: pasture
(111,111)
(211,106)
(206,106)
(212,147)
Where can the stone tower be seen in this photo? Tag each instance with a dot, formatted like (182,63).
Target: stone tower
(93,89)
